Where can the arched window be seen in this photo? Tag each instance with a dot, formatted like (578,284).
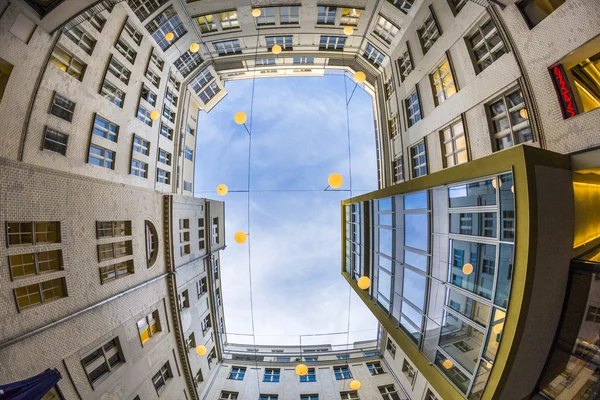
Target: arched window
(151,244)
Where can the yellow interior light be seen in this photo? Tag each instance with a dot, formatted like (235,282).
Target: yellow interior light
(360,77)
(301,369)
(348,30)
(256,12)
(467,269)
(222,189)
(194,47)
(154,115)
(355,385)
(201,350)
(335,181)
(240,117)
(276,49)
(364,282)
(523,113)
(169,36)
(498,328)
(512,188)
(240,237)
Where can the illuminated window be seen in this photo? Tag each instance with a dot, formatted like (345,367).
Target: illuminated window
(67,62)
(454,145)
(229,20)
(394,125)
(20,233)
(350,16)
(148,326)
(207,23)
(535,11)
(509,119)
(442,82)
(35,263)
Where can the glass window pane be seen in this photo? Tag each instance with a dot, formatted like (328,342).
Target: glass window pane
(505,267)
(385,263)
(412,314)
(413,288)
(386,238)
(416,260)
(479,278)
(412,330)
(415,201)
(507,207)
(472,194)
(473,224)
(458,378)
(384,285)
(466,306)
(385,204)
(483,373)
(461,341)
(385,219)
(494,335)
(416,231)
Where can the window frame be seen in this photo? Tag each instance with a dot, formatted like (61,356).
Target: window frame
(432,81)
(413,164)
(53,104)
(105,355)
(46,139)
(453,138)
(423,28)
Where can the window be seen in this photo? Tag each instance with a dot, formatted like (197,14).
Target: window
(237,373)
(284,41)
(112,93)
(148,95)
(200,80)
(509,120)
(199,378)
(402,5)
(66,62)
(149,326)
(201,234)
(165,22)
(289,15)
(158,62)
(81,39)
(62,107)
(456,5)
(153,77)
(342,372)
(215,230)
(398,170)
(408,371)
(112,229)
(109,251)
(391,347)
(413,108)
(311,376)
(304,60)
(309,397)
(388,392)
(332,43)
(188,62)
(132,32)
(205,324)
(144,116)
(151,243)
(593,314)
(271,375)
(486,45)
(143,8)
(428,33)
(419,160)
(405,64)
(187,186)
(229,20)
(5,71)
(102,361)
(168,114)
(114,271)
(210,91)
(184,237)
(189,154)
(373,55)
(207,23)
(139,168)
(39,293)
(386,30)
(228,47)
(265,61)
(161,378)
(535,11)
(171,98)
(97,21)
(344,357)
(164,157)
(442,82)
(101,157)
(166,132)
(190,130)
(454,145)
(228,395)
(125,50)
(32,232)
(267,16)
(119,70)
(35,263)
(430,396)
(326,15)
(350,16)
(352,395)
(268,397)
(173,81)
(375,368)
(55,141)
(201,287)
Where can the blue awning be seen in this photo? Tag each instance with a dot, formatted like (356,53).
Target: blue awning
(33,388)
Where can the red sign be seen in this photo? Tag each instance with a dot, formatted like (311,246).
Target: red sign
(563,89)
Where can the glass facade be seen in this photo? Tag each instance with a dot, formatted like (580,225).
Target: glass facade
(453,310)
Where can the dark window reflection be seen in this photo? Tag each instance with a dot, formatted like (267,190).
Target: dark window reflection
(472,194)
(505,268)
(473,224)
(507,208)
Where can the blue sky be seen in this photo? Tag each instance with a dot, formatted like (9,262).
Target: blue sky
(299,137)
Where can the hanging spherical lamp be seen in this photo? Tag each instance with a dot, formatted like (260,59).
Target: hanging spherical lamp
(201,350)
(512,188)
(222,189)
(276,49)
(467,269)
(335,180)
(194,47)
(169,36)
(523,113)
(360,77)
(154,115)
(240,117)
(301,369)
(447,364)
(355,385)
(240,237)
(364,282)
(256,12)
(348,30)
